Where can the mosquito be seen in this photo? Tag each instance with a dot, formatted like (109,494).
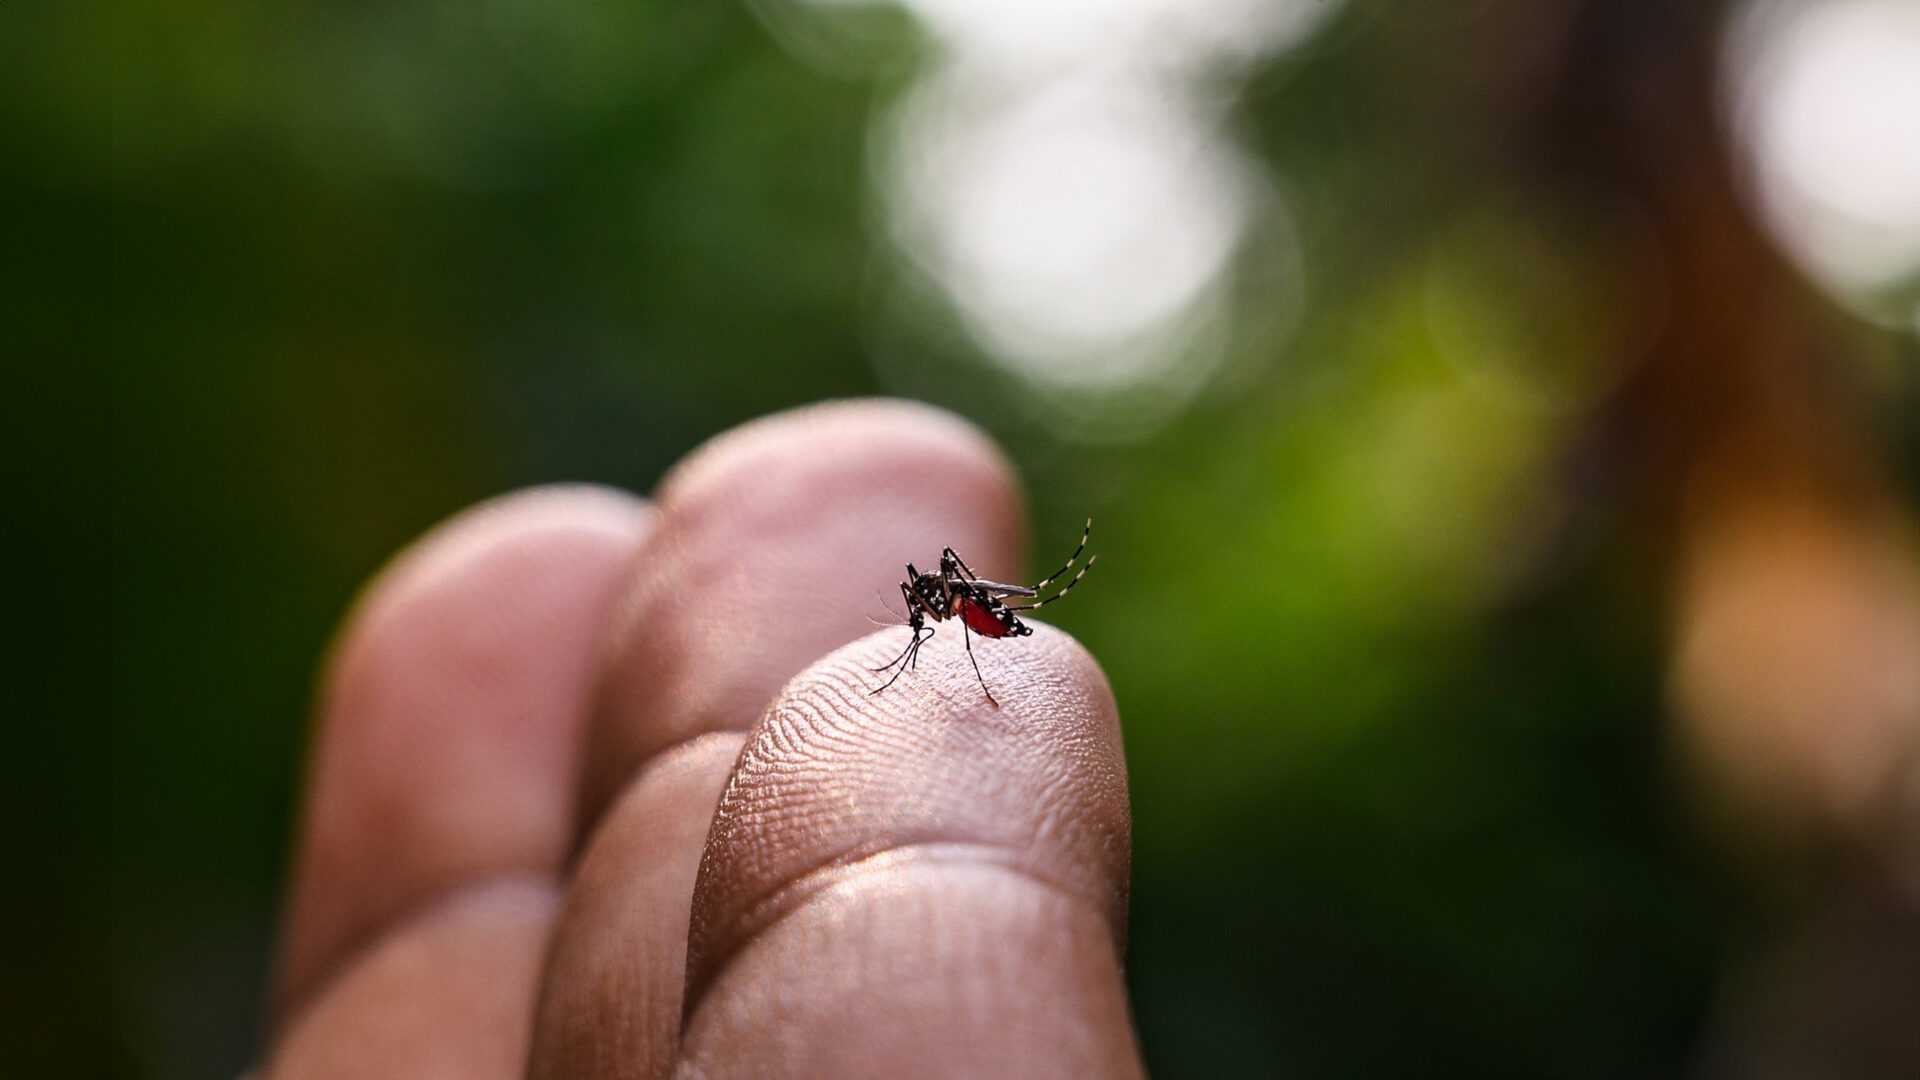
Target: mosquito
(956,592)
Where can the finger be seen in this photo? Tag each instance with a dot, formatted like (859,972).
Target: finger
(918,882)
(450,718)
(611,1007)
(778,542)
(774,546)
(447,994)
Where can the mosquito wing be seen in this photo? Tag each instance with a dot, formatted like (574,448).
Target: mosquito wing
(997,589)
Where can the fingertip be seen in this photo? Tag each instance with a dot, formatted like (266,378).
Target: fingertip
(920,878)
(837,781)
(587,525)
(840,437)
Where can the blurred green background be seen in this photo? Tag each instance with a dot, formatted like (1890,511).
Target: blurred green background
(1379,598)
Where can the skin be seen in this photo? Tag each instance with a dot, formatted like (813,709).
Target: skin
(599,790)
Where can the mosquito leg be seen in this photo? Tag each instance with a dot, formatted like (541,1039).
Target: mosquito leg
(915,620)
(953,557)
(1070,561)
(889,682)
(968,638)
(911,647)
(1062,592)
(910,654)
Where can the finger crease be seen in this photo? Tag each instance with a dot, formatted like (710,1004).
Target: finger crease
(782,901)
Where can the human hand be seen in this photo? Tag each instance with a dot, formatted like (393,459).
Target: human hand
(511,860)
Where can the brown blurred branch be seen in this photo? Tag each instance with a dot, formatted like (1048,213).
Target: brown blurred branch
(1794,592)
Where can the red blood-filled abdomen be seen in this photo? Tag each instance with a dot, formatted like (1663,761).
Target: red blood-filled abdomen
(981,621)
